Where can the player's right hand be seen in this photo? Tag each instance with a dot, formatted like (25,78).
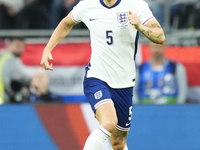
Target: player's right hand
(46,56)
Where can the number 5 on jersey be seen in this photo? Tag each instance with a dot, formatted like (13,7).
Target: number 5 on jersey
(109,37)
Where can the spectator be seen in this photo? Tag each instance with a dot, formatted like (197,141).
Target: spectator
(8,10)
(14,6)
(197,16)
(34,15)
(160,80)
(60,9)
(17,85)
(13,75)
(158,6)
(39,89)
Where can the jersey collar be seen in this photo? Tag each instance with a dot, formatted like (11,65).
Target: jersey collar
(102,3)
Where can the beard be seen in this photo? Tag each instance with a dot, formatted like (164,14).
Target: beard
(17,55)
(157,56)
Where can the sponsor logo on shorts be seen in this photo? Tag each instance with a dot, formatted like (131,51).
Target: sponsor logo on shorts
(98,94)
(127,124)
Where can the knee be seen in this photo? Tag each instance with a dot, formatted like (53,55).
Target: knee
(118,140)
(109,125)
(118,146)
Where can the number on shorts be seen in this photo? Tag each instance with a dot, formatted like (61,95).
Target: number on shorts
(130,113)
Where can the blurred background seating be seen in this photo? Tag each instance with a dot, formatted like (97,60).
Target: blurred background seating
(160,80)
(46,14)
(176,14)
(17,83)
(35,20)
(58,126)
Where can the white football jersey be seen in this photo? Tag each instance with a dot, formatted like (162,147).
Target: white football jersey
(113,38)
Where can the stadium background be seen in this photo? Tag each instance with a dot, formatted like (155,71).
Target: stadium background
(66,126)
(70,59)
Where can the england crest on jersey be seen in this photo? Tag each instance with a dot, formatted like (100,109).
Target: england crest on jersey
(122,17)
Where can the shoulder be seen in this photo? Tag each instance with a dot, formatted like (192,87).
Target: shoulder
(180,67)
(143,65)
(12,61)
(175,63)
(6,57)
(177,66)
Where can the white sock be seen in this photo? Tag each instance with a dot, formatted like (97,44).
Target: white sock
(125,148)
(97,139)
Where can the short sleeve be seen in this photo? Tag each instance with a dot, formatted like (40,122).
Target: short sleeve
(77,12)
(143,12)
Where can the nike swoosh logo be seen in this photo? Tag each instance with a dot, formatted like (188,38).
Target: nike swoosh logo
(127,124)
(93,19)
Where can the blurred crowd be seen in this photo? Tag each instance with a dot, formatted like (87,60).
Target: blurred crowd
(46,14)
(183,14)
(34,14)
(159,80)
(16,84)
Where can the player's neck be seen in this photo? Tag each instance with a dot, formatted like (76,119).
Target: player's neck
(109,3)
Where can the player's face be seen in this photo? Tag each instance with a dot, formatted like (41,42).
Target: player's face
(157,50)
(17,47)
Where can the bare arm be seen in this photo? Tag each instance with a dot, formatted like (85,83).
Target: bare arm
(152,30)
(61,31)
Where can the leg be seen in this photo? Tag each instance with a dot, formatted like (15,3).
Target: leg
(100,100)
(107,118)
(118,139)
(104,105)
(123,106)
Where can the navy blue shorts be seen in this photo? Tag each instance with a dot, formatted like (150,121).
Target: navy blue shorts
(98,92)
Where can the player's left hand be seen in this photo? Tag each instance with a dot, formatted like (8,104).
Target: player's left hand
(133,19)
